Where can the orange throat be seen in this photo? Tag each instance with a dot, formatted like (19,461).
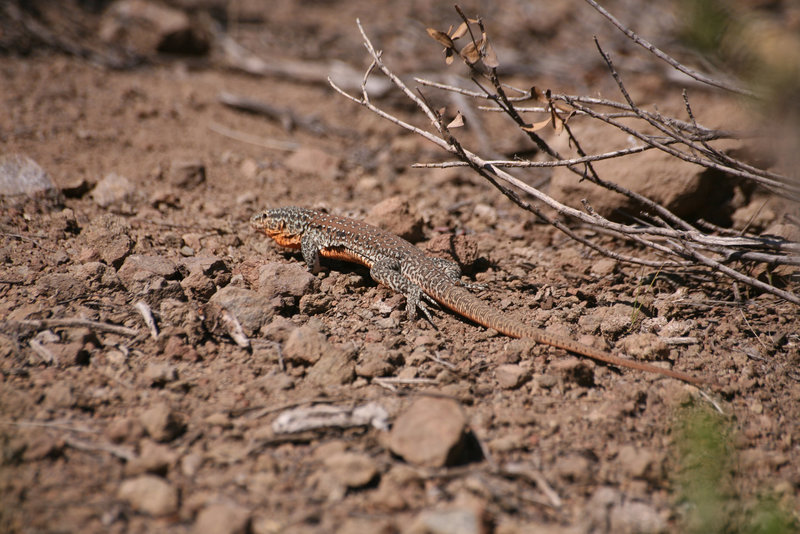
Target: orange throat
(284,240)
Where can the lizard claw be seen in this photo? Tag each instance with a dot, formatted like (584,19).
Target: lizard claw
(473,285)
(424,307)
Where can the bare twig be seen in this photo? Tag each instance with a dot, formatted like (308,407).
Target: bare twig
(147,317)
(234,329)
(285,116)
(665,57)
(119,451)
(326,416)
(27,238)
(51,424)
(80,323)
(43,352)
(263,142)
(526,471)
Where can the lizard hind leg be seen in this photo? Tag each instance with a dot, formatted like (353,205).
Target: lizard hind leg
(453,273)
(387,272)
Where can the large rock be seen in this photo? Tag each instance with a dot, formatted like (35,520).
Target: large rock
(396,215)
(686,189)
(251,309)
(430,433)
(150,495)
(22,179)
(149,27)
(222,518)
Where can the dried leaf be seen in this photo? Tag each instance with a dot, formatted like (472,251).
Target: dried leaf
(538,95)
(536,126)
(458,122)
(441,111)
(562,107)
(460,31)
(558,122)
(471,52)
(489,56)
(441,38)
(448,55)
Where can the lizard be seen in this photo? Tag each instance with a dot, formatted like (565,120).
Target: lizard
(422,279)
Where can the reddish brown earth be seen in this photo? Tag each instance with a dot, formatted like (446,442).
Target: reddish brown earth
(105,432)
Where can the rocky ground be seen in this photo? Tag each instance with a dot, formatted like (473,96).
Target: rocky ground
(324,409)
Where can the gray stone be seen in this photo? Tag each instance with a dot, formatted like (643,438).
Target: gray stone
(160,373)
(150,495)
(251,309)
(108,238)
(161,422)
(306,345)
(149,27)
(351,469)
(336,367)
(510,376)
(151,278)
(187,174)
(429,433)
(113,189)
(222,518)
(460,520)
(395,215)
(20,176)
(284,280)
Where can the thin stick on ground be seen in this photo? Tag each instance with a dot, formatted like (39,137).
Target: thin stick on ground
(80,323)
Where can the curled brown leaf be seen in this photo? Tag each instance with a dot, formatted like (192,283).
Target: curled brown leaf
(536,126)
(489,56)
(441,37)
(471,52)
(457,122)
(460,31)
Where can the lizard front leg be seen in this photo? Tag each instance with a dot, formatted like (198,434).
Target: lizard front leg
(309,247)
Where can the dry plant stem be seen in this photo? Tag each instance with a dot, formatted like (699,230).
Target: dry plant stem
(85,323)
(677,238)
(699,132)
(592,176)
(774,185)
(778,187)
(536,164)
(121,452)
(488,172)
(724,158)
(671,126)
(526,471)
(234,329)
(46,355)
(665,57)
(147,317)
(263,142)
(50,424)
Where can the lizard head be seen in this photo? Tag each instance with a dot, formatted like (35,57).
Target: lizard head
(284,225)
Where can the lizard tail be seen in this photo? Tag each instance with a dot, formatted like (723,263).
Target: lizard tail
(463,303)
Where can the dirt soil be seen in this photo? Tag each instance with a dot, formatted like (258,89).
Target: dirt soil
(117,431)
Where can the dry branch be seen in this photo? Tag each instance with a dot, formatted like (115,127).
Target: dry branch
(679,242)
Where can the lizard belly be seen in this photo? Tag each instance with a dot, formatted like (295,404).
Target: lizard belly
(344,254)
